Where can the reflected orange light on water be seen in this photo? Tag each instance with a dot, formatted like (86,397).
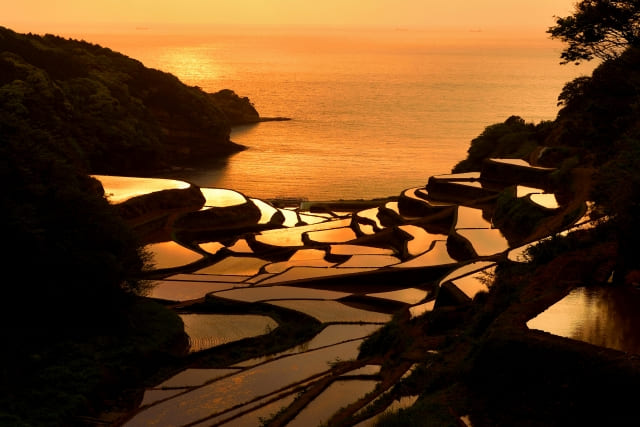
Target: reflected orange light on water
(192,65)
(118,189)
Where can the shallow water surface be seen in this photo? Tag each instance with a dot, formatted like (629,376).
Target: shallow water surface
(118,189)
(438,255)
(181,290)
(244,266)
(485,241)
(243,387)
(171,254)
(421,239)
(267,293)
(471,218)
(333,311)
(370,261)
(293,236)
(474,283)
(339,394)
(211,330)
(605,316)
(407,296)
(334,235)
(330,335)
(222,197)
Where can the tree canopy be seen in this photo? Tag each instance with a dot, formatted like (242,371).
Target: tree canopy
(598,29)
(108,113)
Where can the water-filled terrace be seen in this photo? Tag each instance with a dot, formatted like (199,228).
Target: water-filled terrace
(293,266)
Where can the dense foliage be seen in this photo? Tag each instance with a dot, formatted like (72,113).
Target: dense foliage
(65,243)
(600,112)
(106,112)
(598,125)
(598,29)
(600,120)
(511,139)
(68,109)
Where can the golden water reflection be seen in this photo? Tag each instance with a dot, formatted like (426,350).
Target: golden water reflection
(211,330)
(118,189)
(194,63)
(605,316)
(171,254)
(243,387)
(332,399)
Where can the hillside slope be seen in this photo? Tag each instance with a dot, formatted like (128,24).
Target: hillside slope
(109,113)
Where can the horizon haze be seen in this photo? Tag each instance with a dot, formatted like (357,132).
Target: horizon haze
(42,16)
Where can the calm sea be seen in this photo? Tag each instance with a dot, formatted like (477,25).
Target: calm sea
(373,112)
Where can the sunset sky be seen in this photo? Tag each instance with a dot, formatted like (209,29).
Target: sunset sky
(52,16)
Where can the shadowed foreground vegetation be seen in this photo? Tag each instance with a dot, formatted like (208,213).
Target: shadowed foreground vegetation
(76,332)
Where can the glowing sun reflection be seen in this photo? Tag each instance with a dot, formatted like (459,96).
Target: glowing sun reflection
(192,65)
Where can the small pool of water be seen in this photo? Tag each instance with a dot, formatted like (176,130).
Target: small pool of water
(269,293)
(211,330)
(221,197)
(226,278)
(347,249)
(485,241)
(519,162)
(211,247)
(546,200)
(334,235)
(179,290)
(606,316)
(290,217)
(474,283)
(371,215)
(171,254)
(245,386)
(330,335)
(333,311)
(459,176)
(279,267)
(421,239)
(241,246)
(194,377)
(438,255)
(267,211)
(407,296)
(523,190)
(118,189)
(471,218)
(303,273)
(339,394)
(370,261)
(243,266)
(293,236)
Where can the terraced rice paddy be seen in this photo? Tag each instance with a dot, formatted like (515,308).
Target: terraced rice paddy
(347,269)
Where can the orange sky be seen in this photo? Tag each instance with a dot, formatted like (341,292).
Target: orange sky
(64,15)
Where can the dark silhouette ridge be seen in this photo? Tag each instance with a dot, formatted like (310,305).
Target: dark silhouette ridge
(108,112)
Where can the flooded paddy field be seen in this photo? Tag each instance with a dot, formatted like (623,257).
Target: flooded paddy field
(277,313)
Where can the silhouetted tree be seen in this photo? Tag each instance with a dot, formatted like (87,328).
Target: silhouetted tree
(514,138)
(598,29)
